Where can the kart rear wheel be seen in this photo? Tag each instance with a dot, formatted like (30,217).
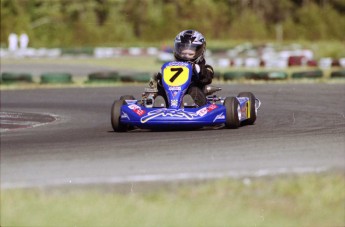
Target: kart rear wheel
(251,106)
(232,117)
(115,116)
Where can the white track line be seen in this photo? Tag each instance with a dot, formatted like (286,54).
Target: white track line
(163,177)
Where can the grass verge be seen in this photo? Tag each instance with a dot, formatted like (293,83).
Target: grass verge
(303,200)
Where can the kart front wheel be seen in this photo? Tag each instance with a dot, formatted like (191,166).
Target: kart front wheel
(115,116)
(251,106)
(232,117)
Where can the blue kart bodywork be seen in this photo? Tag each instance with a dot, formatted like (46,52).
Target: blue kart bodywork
(176,78)
(208,115)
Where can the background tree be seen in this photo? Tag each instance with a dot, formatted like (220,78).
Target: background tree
(65,23)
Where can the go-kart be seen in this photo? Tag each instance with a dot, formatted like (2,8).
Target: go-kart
(152,112)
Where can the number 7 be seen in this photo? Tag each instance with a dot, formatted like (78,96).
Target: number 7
(178,72)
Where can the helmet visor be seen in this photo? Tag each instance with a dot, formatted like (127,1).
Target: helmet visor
(188,51)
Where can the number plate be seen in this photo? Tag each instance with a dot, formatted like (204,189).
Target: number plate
(175,75)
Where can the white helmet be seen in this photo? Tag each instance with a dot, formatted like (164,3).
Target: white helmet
(189,45)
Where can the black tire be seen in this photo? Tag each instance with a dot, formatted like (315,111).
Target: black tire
(232,107)
(308,74)
(338,74)
(56,78)
(115,116)
(105,77)
(252,111)
(8,78)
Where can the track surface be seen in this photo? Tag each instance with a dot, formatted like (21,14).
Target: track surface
(299,128)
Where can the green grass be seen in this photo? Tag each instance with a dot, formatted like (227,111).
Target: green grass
(305,200)
(127,63)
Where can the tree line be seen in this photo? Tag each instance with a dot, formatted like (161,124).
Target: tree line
(66,23)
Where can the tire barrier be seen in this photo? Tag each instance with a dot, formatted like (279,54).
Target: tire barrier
(136,77)
(10,78)
(307,74)
(103,77)
(274,75)
(235,75)
(338,74)
(56,78)
(217,75)
(142,77)
(126,78)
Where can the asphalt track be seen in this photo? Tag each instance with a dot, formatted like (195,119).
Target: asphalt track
(299,128)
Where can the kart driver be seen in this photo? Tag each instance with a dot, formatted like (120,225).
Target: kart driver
(190,46)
